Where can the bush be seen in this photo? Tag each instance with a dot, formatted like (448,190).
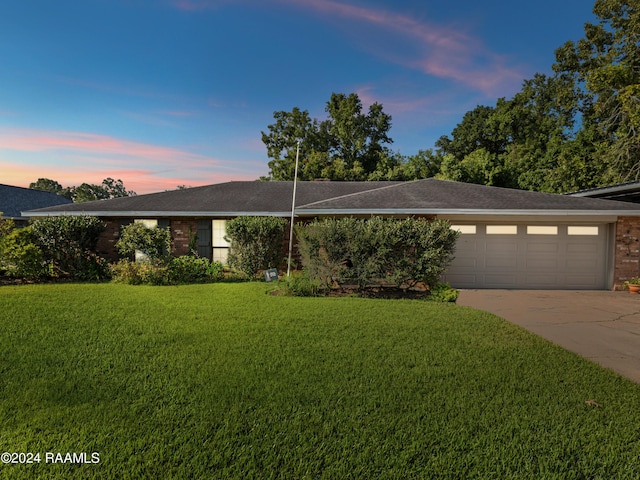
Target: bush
(442,292)
(376,251)
(154,243)
(192,269)
(256,243)
(19,256)
(144,272)
(185,269)
(300,285)
(68,246)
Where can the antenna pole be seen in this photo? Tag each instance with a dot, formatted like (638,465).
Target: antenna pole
(293,209)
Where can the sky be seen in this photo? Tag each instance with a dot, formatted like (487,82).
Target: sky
(165,93)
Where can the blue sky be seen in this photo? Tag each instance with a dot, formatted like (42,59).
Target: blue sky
(161,93)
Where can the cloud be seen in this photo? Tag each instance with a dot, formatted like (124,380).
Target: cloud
(72,158)
(436,50)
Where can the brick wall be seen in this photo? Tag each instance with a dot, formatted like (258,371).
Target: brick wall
(627,253)
(182,230)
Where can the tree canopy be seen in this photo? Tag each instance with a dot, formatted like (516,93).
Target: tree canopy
(85,192)
(577,128)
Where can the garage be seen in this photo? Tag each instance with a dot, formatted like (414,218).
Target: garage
(530,256)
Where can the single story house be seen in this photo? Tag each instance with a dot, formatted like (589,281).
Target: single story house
(14,200)
(509,238)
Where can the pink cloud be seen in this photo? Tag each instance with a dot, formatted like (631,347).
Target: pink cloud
(436,50)
(72,158)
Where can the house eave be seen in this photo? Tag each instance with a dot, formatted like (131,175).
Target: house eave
(462,211)
(153,214)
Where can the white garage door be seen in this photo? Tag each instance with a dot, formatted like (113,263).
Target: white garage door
(530,256)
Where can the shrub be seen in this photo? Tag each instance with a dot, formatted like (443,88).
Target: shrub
(376,251)
(185,269)
(192,269)
(256,243)
(145,272)
(300,285)
(154,243)
(442,292)
(19,256)
(68,245)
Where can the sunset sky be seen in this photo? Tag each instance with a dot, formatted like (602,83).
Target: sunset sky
(161,93)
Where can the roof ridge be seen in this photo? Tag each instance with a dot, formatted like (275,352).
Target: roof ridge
(399,184)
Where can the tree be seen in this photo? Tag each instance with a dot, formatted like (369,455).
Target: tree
(605,67)
(48,185)
(109,188)
(518,142)
(348,145)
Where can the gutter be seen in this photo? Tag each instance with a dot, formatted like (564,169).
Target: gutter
(149,213)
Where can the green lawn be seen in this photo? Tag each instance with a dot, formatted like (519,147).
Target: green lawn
(223,381)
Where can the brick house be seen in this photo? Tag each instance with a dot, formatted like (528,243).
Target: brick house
(509,238)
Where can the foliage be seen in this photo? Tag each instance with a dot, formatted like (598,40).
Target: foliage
(144,272)
(109,188)
(185,269)
(154,243)
(193,269)
(256,243)
(605,67)
(348,145)
(376,251)
(19,256)
(48,185)
(299,284)
(222,381)
(68,245)
(442,292)
(578,128)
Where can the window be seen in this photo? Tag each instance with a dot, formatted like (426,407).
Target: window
(465,229)
(542,230)
(218,242)
(577,230)
(502,229)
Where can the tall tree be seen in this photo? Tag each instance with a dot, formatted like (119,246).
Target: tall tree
(348,145)
(606,65)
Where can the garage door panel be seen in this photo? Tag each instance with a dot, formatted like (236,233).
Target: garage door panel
(542,280)
(541,263)
(546,248)
(581,281)
(466,262)
(500,281)
(582,248)
(501,247)
(527,260)
(502,262)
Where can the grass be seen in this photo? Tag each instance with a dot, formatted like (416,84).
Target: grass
(223,381)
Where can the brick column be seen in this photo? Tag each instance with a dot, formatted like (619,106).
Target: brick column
(627,254)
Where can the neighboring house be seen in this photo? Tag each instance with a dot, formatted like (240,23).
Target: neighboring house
(15,200)
(509,238)
(623,192)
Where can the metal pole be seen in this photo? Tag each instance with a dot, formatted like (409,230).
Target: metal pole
(293,209)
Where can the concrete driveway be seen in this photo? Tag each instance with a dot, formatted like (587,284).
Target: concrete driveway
(602,326)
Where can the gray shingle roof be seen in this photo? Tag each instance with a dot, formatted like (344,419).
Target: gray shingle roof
(14,200)
(313,198)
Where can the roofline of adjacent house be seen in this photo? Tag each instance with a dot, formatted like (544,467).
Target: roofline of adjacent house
(350,211)
(621,188)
